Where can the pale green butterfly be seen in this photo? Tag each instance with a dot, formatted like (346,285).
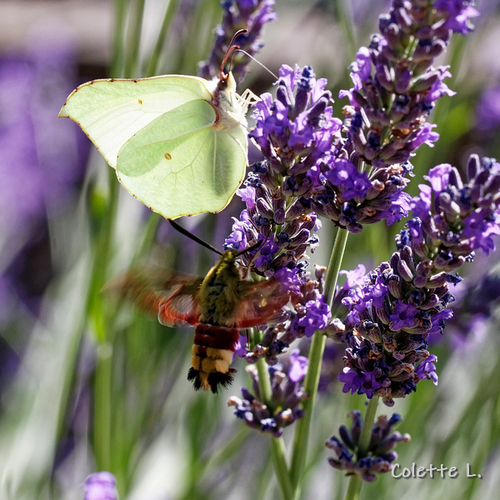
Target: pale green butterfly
(178,143)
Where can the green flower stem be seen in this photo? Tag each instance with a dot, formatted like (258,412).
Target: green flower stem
(332,272)
(366,431)
(152,67)
(315,357)
(281,468)
(102,407)
(343,10)
(303,425)
(229,449)
(117,62)
(98,320)
(264,382)
(355,482)
(277,444)
(148,235)
(134,39)
(100,324)
(104,223)
(353,488)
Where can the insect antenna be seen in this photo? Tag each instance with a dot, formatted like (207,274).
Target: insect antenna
(250,248)
(231,48)
(185,232)
(255,246)
(256,60)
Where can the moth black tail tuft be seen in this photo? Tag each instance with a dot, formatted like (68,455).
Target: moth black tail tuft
(212,381)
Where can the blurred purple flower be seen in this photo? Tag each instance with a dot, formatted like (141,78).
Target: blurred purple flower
(298,366)
(488,110)
(363,11)
(100,486)
(42,161)
(477,297)
(458,12)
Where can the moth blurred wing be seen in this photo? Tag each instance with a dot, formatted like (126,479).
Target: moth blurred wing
(261,302)
(170,297)
(179,308)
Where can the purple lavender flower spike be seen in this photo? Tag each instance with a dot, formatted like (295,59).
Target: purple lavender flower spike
(380,454)
(394,89)
(100,486)
(390,317)
(295,132)
(238,14)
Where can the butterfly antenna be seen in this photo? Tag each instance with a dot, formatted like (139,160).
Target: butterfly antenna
(257,61)
(185,232)
(231,48)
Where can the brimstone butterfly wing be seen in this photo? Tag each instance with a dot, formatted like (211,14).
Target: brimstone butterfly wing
(178,143)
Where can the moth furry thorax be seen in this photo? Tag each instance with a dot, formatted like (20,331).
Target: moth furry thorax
(220,292)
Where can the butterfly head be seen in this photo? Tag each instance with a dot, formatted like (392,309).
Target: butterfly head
(226,83)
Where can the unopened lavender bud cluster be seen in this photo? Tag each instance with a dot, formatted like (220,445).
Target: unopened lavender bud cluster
(405,300)
(251,15)
(284,407)
(380,454)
